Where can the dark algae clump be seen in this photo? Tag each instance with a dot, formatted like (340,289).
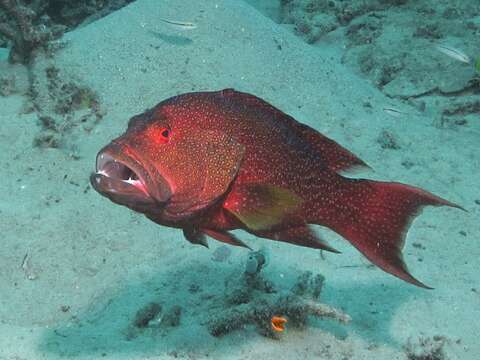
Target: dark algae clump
(146,314)
(426,348)
(153,318)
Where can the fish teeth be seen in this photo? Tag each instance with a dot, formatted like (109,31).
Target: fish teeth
(133,182)
(137,183)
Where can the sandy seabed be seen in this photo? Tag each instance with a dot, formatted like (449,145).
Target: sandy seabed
(75,269)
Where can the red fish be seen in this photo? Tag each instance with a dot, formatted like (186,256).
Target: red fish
(212,162)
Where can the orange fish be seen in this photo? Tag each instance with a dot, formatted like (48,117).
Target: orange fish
(212,162)
(278,323)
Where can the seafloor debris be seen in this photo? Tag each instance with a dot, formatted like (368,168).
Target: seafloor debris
(256,301)
(458,111)
(7,85)
(146,314)
(153,318)
(28,269)
(27,30)
(221,253)
(171,318)
(62,104)
(387,140)
(255,262)
(426,349)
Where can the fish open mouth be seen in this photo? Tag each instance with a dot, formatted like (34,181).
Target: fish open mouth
(121,182)
(116,170)
(127,179)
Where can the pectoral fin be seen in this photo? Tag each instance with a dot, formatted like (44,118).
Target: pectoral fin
(259,206)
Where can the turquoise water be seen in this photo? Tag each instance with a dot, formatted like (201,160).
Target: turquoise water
(396,83)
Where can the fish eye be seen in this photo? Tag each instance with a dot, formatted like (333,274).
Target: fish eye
(165,133)
(160,135)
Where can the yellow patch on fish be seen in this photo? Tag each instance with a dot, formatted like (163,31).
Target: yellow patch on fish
(261,206)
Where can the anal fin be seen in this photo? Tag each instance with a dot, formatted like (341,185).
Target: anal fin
(226,237)
(301,235)
(195,236)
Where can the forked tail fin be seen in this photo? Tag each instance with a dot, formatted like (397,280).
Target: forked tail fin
(375,217)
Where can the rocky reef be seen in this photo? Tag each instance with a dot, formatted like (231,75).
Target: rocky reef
(26,29)
(397,45)
(31,25)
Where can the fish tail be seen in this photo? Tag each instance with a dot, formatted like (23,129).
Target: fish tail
(375,217)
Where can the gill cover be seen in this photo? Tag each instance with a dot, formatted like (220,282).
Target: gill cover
(201,169)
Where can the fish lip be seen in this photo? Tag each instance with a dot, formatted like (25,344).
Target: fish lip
(115,165)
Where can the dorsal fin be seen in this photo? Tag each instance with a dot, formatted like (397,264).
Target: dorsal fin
(335,156)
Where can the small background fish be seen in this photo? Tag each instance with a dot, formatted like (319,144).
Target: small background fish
(180,25)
